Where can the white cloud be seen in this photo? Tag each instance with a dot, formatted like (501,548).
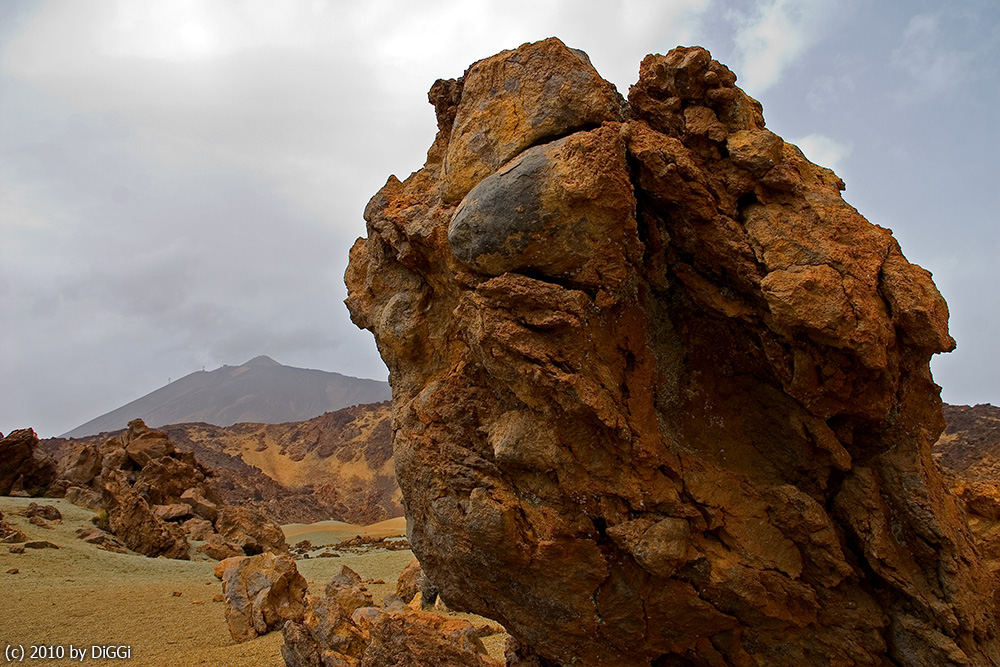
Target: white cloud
(931,65)
(776,34)
(824,151)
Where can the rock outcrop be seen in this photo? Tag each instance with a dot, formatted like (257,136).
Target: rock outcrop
(969,453)
(261,593)
(342,628)
(335,466)
(25,468)
(155,497)
(660,395)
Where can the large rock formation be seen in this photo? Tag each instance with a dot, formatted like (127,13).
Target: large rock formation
(661,397)
(25,468)
(335,466)
(154,497)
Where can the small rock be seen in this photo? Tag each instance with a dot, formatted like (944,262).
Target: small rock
(176,594)
(13,570)
(172,512)
(40,522)
(16,549)
(407,585)
(197,528)
(218,548)
(489,629)
(40,544)
(50,512)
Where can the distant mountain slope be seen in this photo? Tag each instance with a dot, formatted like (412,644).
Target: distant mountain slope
(335,466)
(343,459)
(261,391)
(970,444)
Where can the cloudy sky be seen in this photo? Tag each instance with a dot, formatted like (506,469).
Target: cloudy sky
(180,180)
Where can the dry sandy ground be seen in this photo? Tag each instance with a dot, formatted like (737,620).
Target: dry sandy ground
(83,596)
(331,532)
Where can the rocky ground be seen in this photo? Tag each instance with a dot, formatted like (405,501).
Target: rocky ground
(164,609)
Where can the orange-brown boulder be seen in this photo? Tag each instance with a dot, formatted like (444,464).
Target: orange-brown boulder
(408,583)
(261,593)
(341,629)
(247,529)
(660,395)
(421,639)
(25,468)
(132,520)
(524,97)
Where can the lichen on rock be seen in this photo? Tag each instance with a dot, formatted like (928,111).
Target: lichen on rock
(660,395)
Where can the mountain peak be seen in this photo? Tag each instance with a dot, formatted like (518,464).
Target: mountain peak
(262,360)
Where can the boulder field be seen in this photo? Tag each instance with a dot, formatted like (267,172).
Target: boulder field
(661,396)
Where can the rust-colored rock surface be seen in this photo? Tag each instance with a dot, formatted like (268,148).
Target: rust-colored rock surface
(335,466)
(342,629)
(969,453)
(262,593)
(661,396)
(25,468)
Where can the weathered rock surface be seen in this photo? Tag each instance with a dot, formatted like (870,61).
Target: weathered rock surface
(10,534)
(48,512)
(261,593)
(338,465)
(250,531)
(158,496)
(131,519)
(24,465)
(341,629)
(661,396)
(969,453)
(408,583)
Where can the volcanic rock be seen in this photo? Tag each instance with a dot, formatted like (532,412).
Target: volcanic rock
(197,528)
(418,639)
(262,593)
(10,534)
(342,628)
(408,583)
(218,548)
(144,444)
(40,544)
(25,468)
(660,395)
(84,497)
(969,453)
(80,464)
(338,465)
(50,512)
(132,520)
(250,531)
(172,512)
(200,505)
(326,633)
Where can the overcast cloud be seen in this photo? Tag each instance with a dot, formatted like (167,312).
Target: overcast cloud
(180,180)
